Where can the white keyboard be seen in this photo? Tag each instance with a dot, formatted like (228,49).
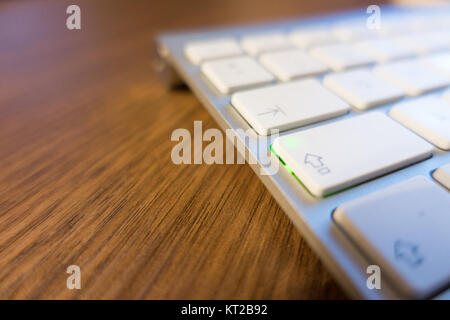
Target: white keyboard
(364,117)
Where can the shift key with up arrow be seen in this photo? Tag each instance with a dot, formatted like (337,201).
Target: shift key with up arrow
(316,162)
(287,105)
(347,152)
(404,230)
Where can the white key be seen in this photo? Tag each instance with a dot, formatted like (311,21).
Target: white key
(439,62)
(256,44)
(354,32)
(442,175)
(288,105)
(198,52)
(362,89)
(441,21)
(429,117)
(447,95)
(412,75)
(308,38)
(396,25)
(404,229)
(383,50)
(425,43)
(341,154)
(232,74)
(291,64)
(420,24)
(341,56)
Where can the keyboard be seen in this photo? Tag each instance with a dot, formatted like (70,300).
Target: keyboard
(363,116)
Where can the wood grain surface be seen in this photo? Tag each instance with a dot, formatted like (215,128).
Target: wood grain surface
(85,170)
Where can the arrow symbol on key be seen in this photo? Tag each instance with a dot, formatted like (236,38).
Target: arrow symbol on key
(274,111)
(408,252)
(315,161)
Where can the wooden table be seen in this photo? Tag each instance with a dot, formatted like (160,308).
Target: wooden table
(85,172)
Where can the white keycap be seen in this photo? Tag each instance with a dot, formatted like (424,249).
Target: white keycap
(441,21)
(447,95)
(308,38)
(341,56)
(232,74)
(256,44)
(420,23)
(425,43)
(198,52)
(341,154)
(395,26)
(362,89)
(354,32)
(439,62)
(442,175)
(429,117)
(291,64)
(383,50)
(288,105)
(412,75)
(404,229)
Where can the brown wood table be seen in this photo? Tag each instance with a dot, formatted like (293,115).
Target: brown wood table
(86,176)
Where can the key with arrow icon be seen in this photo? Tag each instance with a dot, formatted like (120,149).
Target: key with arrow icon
(312,159)
(408,252)
(285,106)
(353,150)
(316,162)
(403,228)
(273,111)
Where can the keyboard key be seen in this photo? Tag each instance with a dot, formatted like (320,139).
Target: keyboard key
(441,21)
(341,154)
(429,117)
(421,23)
(341,56)
(362,89)
(309,38)
(198,52)
(412,75)
(439,62)
(383,50)
(232,74)
(256,44)
(442,175)
(291,64)
(405,230)
(354,32)
(288,105)
(425,42)
(447,95)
